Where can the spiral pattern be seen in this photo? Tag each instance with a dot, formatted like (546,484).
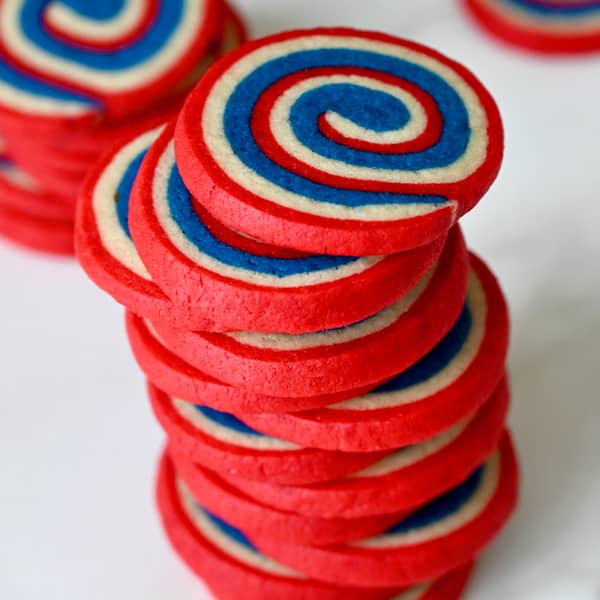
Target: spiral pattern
(70,57)
(228,429)
(557,8)
(438,369)
(189,231)
(110,202)
(445,514)
(553,16)
(228,539)
(346,125)
(439,518)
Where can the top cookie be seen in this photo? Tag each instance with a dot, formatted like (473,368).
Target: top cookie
(75,58)
(339,141)
(550,26)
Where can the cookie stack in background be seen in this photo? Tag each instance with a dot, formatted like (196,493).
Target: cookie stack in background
(546,26)
(74,78)
(326,357)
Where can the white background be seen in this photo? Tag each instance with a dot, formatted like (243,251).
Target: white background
(78,444)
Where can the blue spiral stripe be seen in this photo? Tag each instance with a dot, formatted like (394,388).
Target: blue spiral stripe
(238,112)
(20,80)
(436,511)
(373,104)
(226,420)
(436,360)
(100,11)
(549,10)
(227,529)
(182,211)
(441,508)
(124,188)
(154,39)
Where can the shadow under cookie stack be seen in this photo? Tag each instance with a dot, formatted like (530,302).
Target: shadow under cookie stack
(326,357)
(77,76)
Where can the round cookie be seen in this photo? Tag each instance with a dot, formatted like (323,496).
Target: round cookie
(547,26)
(178,378)
(438,537)
(339,359)
(445,386)
(103,242)
(208,268)
(21,192)
(63,61)
(404,479)
(233,567)
(88,142)
(263,521)
(225,444)
(36,233)
(339,141)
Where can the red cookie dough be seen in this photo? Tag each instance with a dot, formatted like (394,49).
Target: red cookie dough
(178,378)
(546,26)
(241,284)
(233,569)
(402,480)
(442,388)
(264,521)
(36,233)
(348,358)
(276,141)
(223,443)
(441,536)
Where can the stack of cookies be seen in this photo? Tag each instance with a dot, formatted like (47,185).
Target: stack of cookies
(546,26)
(76,76)
(326,357)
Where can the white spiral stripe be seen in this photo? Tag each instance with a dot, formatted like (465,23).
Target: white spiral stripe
(410,455)
(415,127)
(109,82)
(475,506)
(414,593)
(23,101)
(255,442)
(378,322)
(559,25)
(19,178)
(285,136)
(225,543)
(160,191)
(114,239)
(64,19)
(223,154)
(477,303)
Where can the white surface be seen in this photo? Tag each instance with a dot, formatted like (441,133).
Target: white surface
(77,441)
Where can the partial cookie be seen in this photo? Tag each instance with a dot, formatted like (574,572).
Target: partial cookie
(180,379)
(36,233)
(21,192)
(548,26)
(61,62)
(445,386)
(359,355)
(339,141)
(442,535)
(224,443)
(103,241)
(402,480)
(214,272)
(233,568)
(264,521)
